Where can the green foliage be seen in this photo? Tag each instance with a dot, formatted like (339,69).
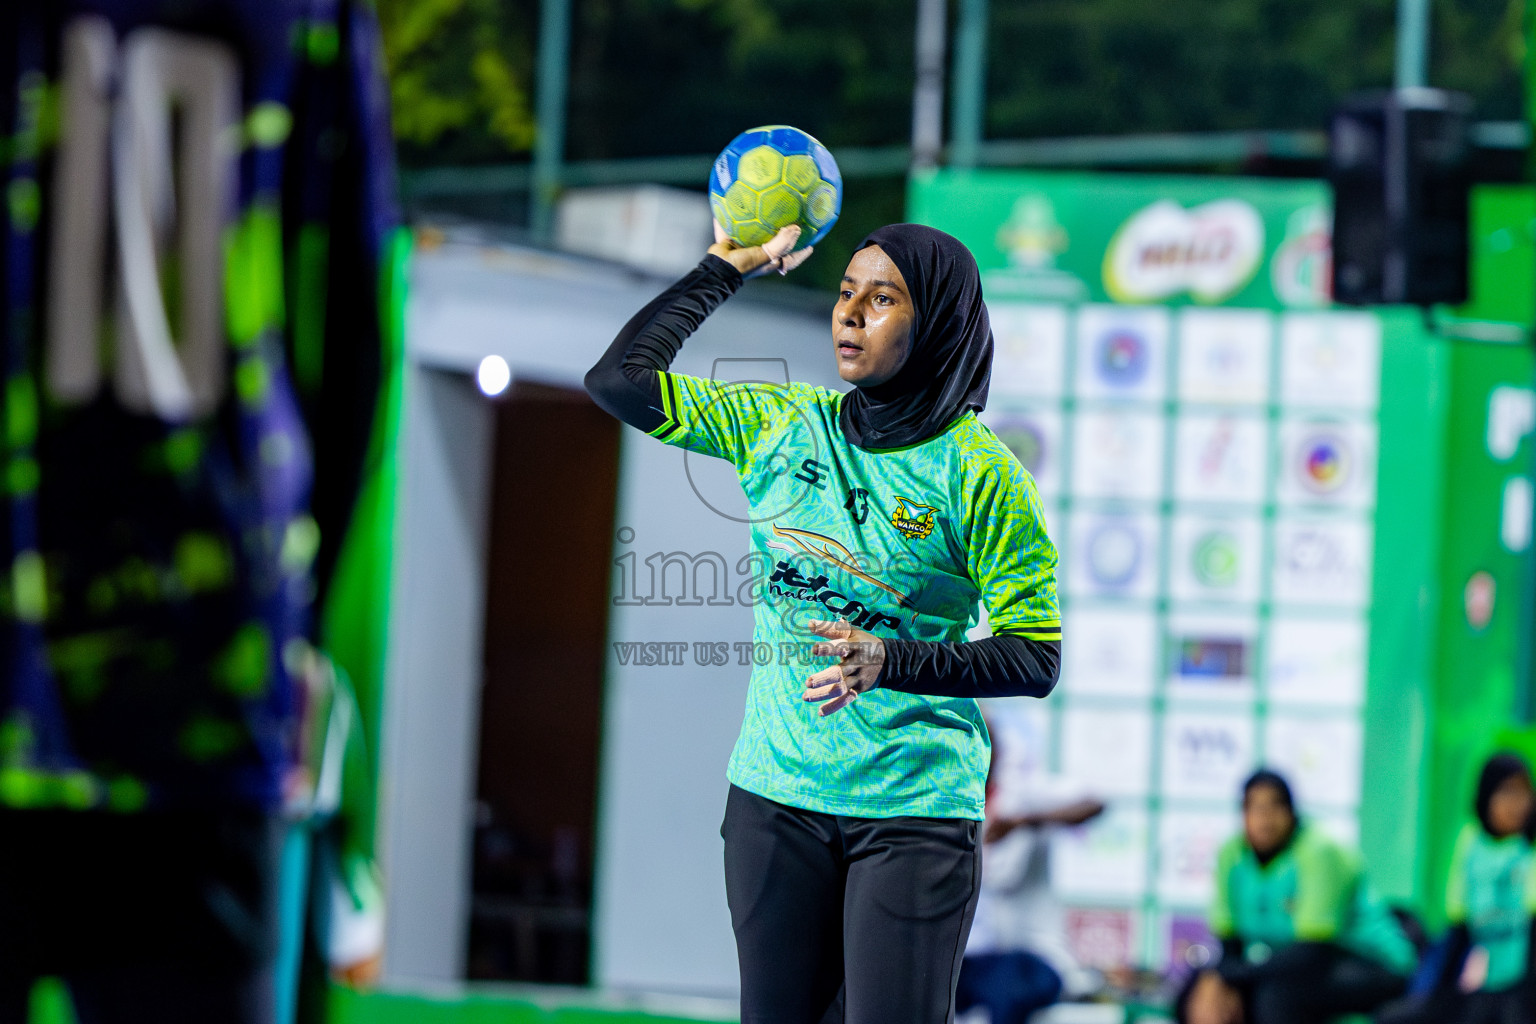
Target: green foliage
(1066,67)
(1113,66)
(660,77)
(461,74)
(1479,46)
(653,77)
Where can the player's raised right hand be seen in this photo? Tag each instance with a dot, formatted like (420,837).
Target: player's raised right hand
(754,260)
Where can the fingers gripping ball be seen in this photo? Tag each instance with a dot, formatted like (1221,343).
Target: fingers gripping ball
(771,177)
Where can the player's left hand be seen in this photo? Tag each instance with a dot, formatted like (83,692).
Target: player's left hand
(757,260)
(861,659)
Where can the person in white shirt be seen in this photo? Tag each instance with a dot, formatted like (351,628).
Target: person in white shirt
(1017,960)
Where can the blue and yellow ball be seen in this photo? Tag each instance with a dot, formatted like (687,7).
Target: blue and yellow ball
(771,177)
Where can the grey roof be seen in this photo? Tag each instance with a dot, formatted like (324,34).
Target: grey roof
(551,316)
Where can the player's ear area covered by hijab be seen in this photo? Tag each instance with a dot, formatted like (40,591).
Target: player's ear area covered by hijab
(950,364)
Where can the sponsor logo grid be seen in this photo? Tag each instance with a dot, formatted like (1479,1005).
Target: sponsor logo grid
(1209,477)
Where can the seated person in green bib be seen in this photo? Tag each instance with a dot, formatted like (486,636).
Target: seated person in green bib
(1488,972)
(1302,938)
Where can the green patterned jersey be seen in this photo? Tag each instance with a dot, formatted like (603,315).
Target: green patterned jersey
(903,543)
(1492,890)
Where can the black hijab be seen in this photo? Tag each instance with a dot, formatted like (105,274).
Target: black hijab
(1274,780)
(1499,769)
(1265,777)
(950,364)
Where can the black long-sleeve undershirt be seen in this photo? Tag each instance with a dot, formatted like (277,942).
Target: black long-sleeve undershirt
(1002,665)
(625,383)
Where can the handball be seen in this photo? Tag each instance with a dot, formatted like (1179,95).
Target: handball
(771,177)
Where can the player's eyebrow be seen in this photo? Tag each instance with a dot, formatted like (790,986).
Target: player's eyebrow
(878,283)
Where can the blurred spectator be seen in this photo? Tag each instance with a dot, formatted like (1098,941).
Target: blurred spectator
(1017,960)
(1484,971)
(1303,939)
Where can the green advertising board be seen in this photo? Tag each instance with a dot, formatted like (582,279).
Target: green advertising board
(1251,491)
(1137,239)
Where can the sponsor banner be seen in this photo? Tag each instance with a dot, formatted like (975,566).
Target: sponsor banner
(1108,751)
(1330,360)
(1030,342)
(1113,554)
(1224,356)
(1320,755)
(1106,858)
(1217,559)
(1212,656)
(1122,353)
(1206,756)
(1328,462)
(1163,250)
(1138,239)
(1203,428)
(1322,560)
(1316,661)
(1021,738)
(1113,651)
(1221,458)
(1101,938)
(1190,946)
(1188,843)
(1118,454)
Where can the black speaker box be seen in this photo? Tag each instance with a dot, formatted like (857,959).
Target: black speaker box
(1399,165)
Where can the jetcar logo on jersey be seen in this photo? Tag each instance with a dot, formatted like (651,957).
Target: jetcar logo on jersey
(788,581)
(913,521)
(1122,357)
(1324,463)
(1210,251)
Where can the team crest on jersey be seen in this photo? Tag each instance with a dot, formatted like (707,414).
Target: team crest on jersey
(912,520)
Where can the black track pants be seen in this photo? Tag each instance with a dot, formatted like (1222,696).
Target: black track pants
(847,920)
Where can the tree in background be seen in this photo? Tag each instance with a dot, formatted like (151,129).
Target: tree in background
(1482,51)
(654,77)
(461,74)
(662,77)
(1073,67)
(711,68)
